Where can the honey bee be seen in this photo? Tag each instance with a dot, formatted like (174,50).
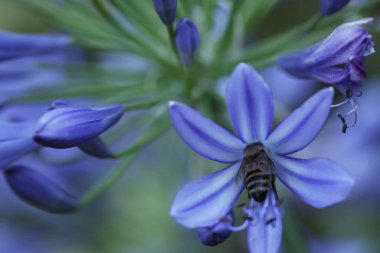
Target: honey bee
(257,171)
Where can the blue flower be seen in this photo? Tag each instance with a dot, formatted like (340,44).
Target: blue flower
(39,191)
(15,141)
(337,60)
(205,202)
(187,41)
(329,7)
(166,10)
(17,45)
(66,126)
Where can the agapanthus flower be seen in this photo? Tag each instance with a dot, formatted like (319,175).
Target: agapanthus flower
(187,41)
(66,126)
(337,60)
(166,10)
(15,141)
(39,191)
(18,45)
(207,201)
(329,7)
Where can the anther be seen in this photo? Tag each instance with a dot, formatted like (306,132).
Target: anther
(270,221)
(344,123)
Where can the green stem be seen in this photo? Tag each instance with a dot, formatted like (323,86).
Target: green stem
(188,83)
(107,182)
(171,35)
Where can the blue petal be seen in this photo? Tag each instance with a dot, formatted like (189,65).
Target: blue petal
(15,141)
(301,127)
(16,45)
(329,7)
(250,104)
(202,203)
(187,41)
(39,191)
(265,231)
(166,10)
(204,136)
(319,182)
(70,126)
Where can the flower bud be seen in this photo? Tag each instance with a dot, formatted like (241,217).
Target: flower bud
(16,45)
(39,191)
(70,126)
(187,41)
(15,141)
(329,7)
(212,236)
(166,10)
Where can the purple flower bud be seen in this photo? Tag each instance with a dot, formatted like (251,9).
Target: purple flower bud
(166,10)
(70,126)
(212,236)
(39,191)
(15,141)
(187,40)
(329,7)
(337,60)
(15,45)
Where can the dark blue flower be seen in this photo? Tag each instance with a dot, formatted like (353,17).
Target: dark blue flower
(319,182)
(166,10)
(187,41)
(218,233)
(39,191)
(337,60)
(70,126)
(329,7)
(15,141)
(17,45)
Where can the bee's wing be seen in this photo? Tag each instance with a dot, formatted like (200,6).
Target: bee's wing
(241,172)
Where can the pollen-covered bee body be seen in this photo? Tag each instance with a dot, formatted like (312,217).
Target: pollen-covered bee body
(257,170)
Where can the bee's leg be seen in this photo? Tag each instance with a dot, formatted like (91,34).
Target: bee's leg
(273,184)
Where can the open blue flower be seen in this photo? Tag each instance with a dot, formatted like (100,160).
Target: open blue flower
(205,202)
(337,60)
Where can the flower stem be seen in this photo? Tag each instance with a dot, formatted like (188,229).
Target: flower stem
(188,83)
(171,35)
(107,182)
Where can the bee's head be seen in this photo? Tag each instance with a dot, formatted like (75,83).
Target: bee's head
(253,150)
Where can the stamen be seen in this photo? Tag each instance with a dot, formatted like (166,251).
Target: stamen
(238,228)
(354,104)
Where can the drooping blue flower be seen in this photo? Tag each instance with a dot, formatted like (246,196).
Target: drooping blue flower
(206,201)
(187,41)
(18,45)
(70,126)
(95,146)
(39,191)
(218,233)
(166,10)
(338,60)
(329,7)
(16,140)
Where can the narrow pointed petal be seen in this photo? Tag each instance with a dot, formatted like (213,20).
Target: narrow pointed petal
(250,104)
(319,182)
(204,136)
(202,203)
(39,191)
(70,126)
(301,127)
(265,233)
(15,141)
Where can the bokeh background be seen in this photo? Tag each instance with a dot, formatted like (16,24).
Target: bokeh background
(133,215)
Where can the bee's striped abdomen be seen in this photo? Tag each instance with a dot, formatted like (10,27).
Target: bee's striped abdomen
(257,184)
